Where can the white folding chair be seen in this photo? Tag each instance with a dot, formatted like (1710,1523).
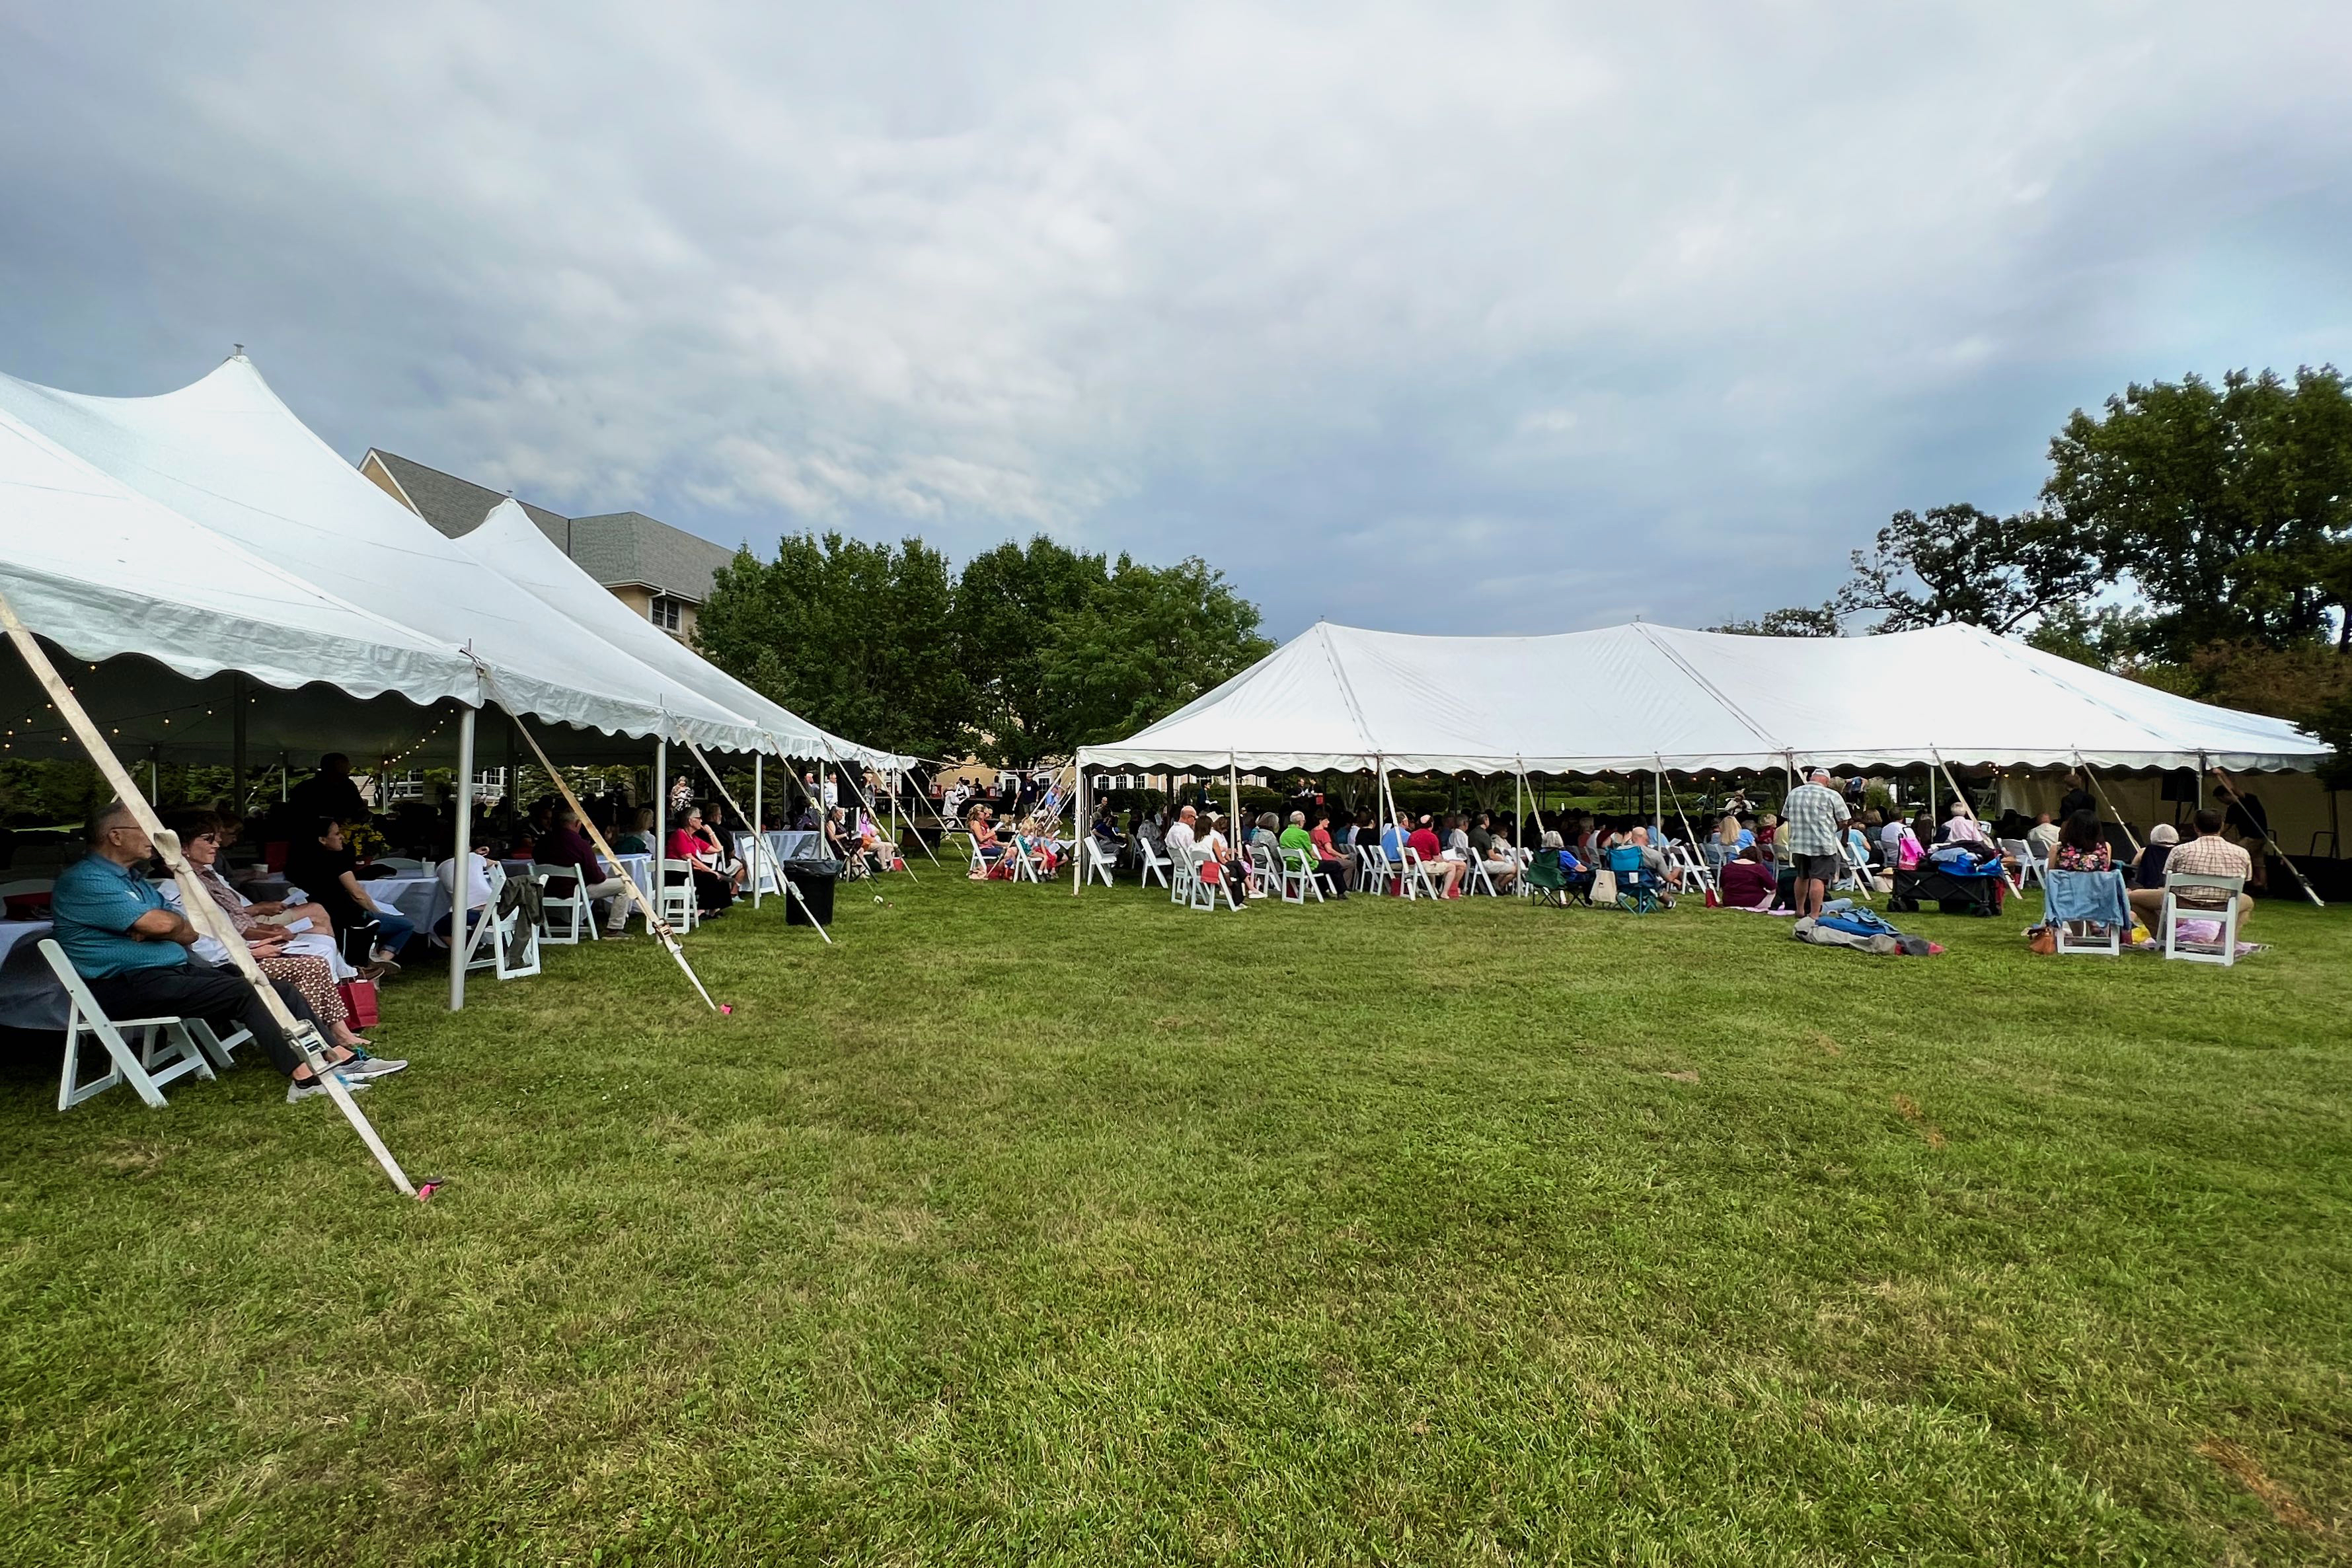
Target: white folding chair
(1380,874)
(565,921)
(1477,876)
(1300,877)
(1854,872)
(2084,936)
(1265,872)
(169,1049)
(1206,893)
(2224,951)
(1184,869)
(496,931)
(1097,861)
(1416,874)
(676,900)
(1024,859)
(2030,865)
(1155,864)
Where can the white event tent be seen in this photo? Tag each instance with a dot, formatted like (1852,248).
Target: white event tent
(1644,698)
(224,572)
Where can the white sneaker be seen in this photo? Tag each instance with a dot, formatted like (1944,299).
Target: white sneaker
(298,1092)
(361,1067)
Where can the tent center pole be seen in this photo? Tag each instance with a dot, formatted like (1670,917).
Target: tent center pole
(465,811)
(237,701)
(759,836)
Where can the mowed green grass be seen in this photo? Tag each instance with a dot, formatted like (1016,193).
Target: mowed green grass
(1020,1228)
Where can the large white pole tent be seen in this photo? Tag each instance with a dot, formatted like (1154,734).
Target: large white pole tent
(228,457)
(1634,698)
(179,544)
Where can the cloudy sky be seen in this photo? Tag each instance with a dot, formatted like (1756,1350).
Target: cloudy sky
(1447,318)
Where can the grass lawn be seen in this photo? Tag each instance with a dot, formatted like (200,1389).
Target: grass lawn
(1020,1228)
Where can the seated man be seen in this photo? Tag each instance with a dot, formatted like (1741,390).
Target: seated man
(1336,869)
(2043,835)
(1296,842)
(134,955)
(568,847)
(1654,861)
(1424,842)
(477,877)
(2207,855)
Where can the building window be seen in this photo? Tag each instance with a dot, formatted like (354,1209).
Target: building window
(667,613)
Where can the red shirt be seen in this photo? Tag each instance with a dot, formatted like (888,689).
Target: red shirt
(1424,844)
(1323,850)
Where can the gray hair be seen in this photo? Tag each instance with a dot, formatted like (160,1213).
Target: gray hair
(1298,819)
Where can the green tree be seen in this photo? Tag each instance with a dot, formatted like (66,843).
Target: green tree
(1008,603)
(1148,642)
(1797,620)
(2228,506)
(1958,563)
(856,637)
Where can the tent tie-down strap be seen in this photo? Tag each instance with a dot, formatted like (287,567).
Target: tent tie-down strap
(758,842)
(654,922)
(196,902)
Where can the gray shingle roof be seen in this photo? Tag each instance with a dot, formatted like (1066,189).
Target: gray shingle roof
(630,546)
(457,506)
(613,547)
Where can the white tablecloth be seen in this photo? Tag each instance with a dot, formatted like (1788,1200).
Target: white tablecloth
(414,896)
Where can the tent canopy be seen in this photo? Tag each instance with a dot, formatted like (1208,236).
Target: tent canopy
(509,543)
(226,457)
(1626,698)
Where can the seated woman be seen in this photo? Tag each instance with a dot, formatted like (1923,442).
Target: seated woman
(726,863)
(983,842)
(306,960)
(714,891)
(1337,868)
(1224,862)
(322,865)
(639,838)
(1748,882)
(1730,837)
(2147,872)
(1961,827)
(2080,845)
(1502,865)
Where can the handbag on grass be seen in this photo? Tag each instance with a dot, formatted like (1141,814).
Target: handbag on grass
(359,1000)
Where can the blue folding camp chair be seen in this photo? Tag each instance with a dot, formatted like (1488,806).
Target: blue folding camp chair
(1637,887)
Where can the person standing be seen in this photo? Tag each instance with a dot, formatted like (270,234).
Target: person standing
(1814,818)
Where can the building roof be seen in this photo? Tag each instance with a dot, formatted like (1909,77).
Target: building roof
(630,546)
(617,548)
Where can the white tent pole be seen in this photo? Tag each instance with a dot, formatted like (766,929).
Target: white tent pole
(1233,789)
(758,827)
(458,944)
(1078,843)
(661,811)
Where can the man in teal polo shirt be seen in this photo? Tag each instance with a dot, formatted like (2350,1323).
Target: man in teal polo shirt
(133,953)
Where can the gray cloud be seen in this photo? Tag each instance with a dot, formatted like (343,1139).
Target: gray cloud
(1441,319)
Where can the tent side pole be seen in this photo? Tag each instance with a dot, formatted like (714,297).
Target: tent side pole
(237,701)
(458,944)
(1079,840)
(759,835)
(661,812)
(1234,791)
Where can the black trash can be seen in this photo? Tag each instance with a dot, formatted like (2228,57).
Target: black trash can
(812,881)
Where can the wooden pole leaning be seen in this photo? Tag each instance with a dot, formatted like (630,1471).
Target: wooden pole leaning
(646,906)
(757,843)
(196,902)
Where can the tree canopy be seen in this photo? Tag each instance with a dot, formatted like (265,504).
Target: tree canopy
(1032,651)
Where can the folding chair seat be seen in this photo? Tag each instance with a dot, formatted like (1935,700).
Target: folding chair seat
(1155,864)
(167,1049)
(1417,875)
(2030,866)
(676,900)
(2223,952)
(1265,873)
(489,940)
(1300,876)
(568,920)
(1097,861)
(1477,876)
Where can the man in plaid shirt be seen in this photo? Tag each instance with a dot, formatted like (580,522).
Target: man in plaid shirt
(2207,855)
(1814,818)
